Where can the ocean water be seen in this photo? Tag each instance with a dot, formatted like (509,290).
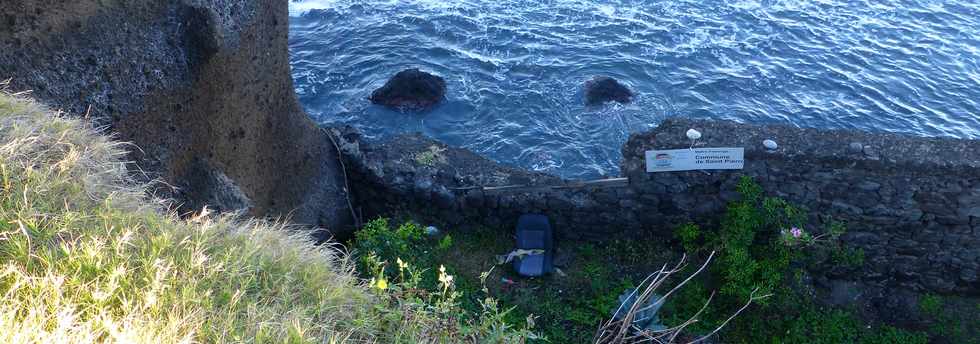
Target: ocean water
(515,69)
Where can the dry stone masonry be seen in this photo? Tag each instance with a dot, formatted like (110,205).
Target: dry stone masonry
(912,204)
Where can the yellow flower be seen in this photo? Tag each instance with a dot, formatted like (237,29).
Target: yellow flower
(382,284)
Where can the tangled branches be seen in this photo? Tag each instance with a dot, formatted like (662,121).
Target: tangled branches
(623,330)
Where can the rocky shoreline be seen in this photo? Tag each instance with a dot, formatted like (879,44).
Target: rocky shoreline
(203,89)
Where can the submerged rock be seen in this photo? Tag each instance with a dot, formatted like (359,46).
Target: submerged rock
(411,90)
(602,89)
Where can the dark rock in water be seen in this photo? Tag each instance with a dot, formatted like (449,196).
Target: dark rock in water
(603,89)
(411,90)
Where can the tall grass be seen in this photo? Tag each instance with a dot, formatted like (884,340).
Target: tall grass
(87,257)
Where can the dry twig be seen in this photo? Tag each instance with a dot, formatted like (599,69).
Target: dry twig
(625,331)
(343,167)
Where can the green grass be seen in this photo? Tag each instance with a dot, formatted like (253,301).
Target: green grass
(87,257)
(566,307)
(753,254)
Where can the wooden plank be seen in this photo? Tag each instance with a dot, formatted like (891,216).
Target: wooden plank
(598,183)
(602,183)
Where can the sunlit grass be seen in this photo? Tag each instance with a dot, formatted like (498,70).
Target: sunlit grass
(87,257)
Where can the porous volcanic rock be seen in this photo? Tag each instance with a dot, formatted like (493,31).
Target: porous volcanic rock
(202,87)
(411,90)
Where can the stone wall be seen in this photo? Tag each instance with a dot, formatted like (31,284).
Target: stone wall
(912,204)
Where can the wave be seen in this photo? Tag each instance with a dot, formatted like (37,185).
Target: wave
(515,69)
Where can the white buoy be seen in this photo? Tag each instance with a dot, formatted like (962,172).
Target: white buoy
(770,144)
(693,134)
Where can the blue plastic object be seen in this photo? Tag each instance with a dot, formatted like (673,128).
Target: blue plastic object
(534,233)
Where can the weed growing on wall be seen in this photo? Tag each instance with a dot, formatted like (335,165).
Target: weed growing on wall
(431,157)
(689,235)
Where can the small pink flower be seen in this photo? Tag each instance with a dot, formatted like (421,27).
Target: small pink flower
(796,232)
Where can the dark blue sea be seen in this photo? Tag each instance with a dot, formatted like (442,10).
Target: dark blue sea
(515,69)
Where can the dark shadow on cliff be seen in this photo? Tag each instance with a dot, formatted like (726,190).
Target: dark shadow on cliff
(202,87)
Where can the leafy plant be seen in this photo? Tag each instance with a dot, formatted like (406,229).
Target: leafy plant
(397,259)
(690,236)
(757,241)
(847,257)
(750,258)
(945,322)
(377,242)
(814,326)
(445,243)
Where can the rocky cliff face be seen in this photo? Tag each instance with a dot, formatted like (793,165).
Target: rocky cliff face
(202,87)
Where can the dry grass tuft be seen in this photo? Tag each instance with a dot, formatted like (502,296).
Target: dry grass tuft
(86,257)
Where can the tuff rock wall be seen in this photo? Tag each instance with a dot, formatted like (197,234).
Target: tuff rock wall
(201,87)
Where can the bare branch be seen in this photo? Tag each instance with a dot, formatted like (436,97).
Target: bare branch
(624,330)
(752,298)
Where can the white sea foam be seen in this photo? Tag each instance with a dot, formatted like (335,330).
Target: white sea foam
(515,68)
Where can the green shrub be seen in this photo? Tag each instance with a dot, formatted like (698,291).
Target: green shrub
(756,244)
(377,237)
(599,298)
(837,326)
(946,321)
(401,262)
(690,237)
(891,335)
(847,257)
(750,258)
(377,246)
(445,243)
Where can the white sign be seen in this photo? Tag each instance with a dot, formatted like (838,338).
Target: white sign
(695,159)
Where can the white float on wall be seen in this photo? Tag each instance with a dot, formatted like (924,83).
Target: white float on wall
(693,134)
